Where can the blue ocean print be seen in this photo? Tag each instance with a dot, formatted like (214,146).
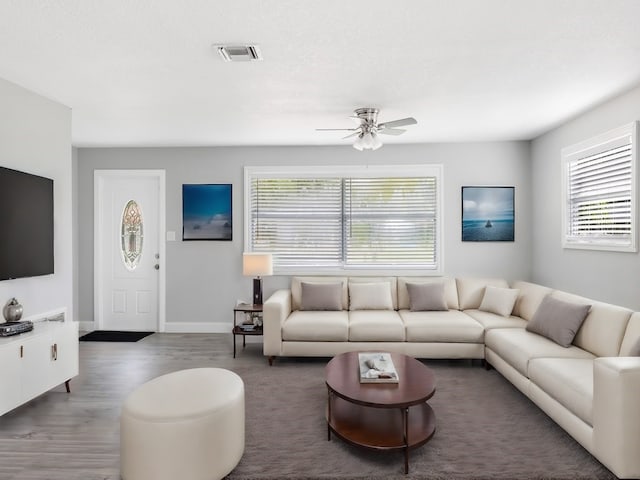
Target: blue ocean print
(488,214)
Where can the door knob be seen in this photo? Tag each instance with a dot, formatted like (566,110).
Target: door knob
(156,266)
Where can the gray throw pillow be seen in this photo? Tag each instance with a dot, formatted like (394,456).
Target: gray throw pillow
(321,296)
(635,350)
(558,320)
(426,297)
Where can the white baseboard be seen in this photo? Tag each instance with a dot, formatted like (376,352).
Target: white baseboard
(178,327)
(86,326)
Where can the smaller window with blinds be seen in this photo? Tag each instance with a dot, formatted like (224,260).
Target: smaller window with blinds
(599,192)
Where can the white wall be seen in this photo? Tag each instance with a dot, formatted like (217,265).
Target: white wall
(35,137)
(612,277)
(204,278)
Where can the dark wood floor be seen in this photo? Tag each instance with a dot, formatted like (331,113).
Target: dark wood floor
(60,436)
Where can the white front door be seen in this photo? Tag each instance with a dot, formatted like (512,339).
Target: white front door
(129,249)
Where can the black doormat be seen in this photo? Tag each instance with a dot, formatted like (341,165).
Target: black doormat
(113,336)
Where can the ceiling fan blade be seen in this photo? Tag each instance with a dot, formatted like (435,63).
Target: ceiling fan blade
(391,131)
(398,123)
(336,129)
(352,134)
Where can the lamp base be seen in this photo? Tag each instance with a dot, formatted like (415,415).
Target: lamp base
(257,291)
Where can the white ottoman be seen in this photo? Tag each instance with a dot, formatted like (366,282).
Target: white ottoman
(186,425)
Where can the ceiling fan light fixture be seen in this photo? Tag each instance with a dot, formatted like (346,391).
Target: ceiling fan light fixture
(375,142)
(367,141)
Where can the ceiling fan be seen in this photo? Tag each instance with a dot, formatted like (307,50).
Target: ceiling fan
(369,128)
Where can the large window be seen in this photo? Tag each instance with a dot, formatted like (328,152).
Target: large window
(345,218)
(599,191)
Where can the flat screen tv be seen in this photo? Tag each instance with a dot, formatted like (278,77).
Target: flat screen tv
(26,225)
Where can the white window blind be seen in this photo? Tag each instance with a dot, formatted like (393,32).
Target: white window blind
(297,219)
(600,192)
(320,222)
(390,221)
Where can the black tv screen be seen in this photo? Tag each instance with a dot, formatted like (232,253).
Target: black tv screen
(26,225)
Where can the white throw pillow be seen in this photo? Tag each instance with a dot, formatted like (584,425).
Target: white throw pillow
(370,296)
(499,300)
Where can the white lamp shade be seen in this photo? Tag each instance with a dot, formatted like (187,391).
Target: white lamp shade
(257,264)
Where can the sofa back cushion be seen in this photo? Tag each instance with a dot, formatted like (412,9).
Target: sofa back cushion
(393,286)
(296,289)
(635,349)
(602,331)
(529,299)
(450,290)
(471,290)
(631,335)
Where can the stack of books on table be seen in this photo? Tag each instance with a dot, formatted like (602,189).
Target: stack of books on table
(377,368)
(247,327)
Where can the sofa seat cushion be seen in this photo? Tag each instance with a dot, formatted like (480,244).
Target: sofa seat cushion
(517,347)
(450,326)
(316,326)
(491,320)
(375,326)
(567,380)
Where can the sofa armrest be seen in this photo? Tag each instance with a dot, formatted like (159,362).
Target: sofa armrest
(274,312)
(616,416)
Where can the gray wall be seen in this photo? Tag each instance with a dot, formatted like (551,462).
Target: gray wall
(607,276)
(35,137)
(204,278)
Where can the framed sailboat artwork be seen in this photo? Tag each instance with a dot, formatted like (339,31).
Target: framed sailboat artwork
(488,214)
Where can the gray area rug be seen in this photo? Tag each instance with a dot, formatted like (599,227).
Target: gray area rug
(486,429)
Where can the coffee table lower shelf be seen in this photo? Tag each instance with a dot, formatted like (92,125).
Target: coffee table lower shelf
(378,428)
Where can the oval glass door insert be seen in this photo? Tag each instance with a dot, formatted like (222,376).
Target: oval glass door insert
(131,235)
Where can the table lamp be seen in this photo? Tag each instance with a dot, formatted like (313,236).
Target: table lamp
(257,265)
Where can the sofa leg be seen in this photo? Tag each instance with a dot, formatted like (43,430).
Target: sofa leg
(487,365)
(271,358)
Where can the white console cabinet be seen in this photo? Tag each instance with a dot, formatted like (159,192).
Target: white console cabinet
(37,361)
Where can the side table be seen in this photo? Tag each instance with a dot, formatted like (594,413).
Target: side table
(239,330)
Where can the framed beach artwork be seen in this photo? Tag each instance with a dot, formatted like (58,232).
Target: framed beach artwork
(206,212)
(488,214)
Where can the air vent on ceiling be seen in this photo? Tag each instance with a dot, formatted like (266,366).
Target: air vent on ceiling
(239,53)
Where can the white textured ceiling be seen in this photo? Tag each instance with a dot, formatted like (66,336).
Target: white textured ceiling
(142,72)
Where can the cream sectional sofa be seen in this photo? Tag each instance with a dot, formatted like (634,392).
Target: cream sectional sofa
(591,388)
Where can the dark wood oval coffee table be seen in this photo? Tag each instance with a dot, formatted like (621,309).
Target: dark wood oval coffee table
(366,414)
